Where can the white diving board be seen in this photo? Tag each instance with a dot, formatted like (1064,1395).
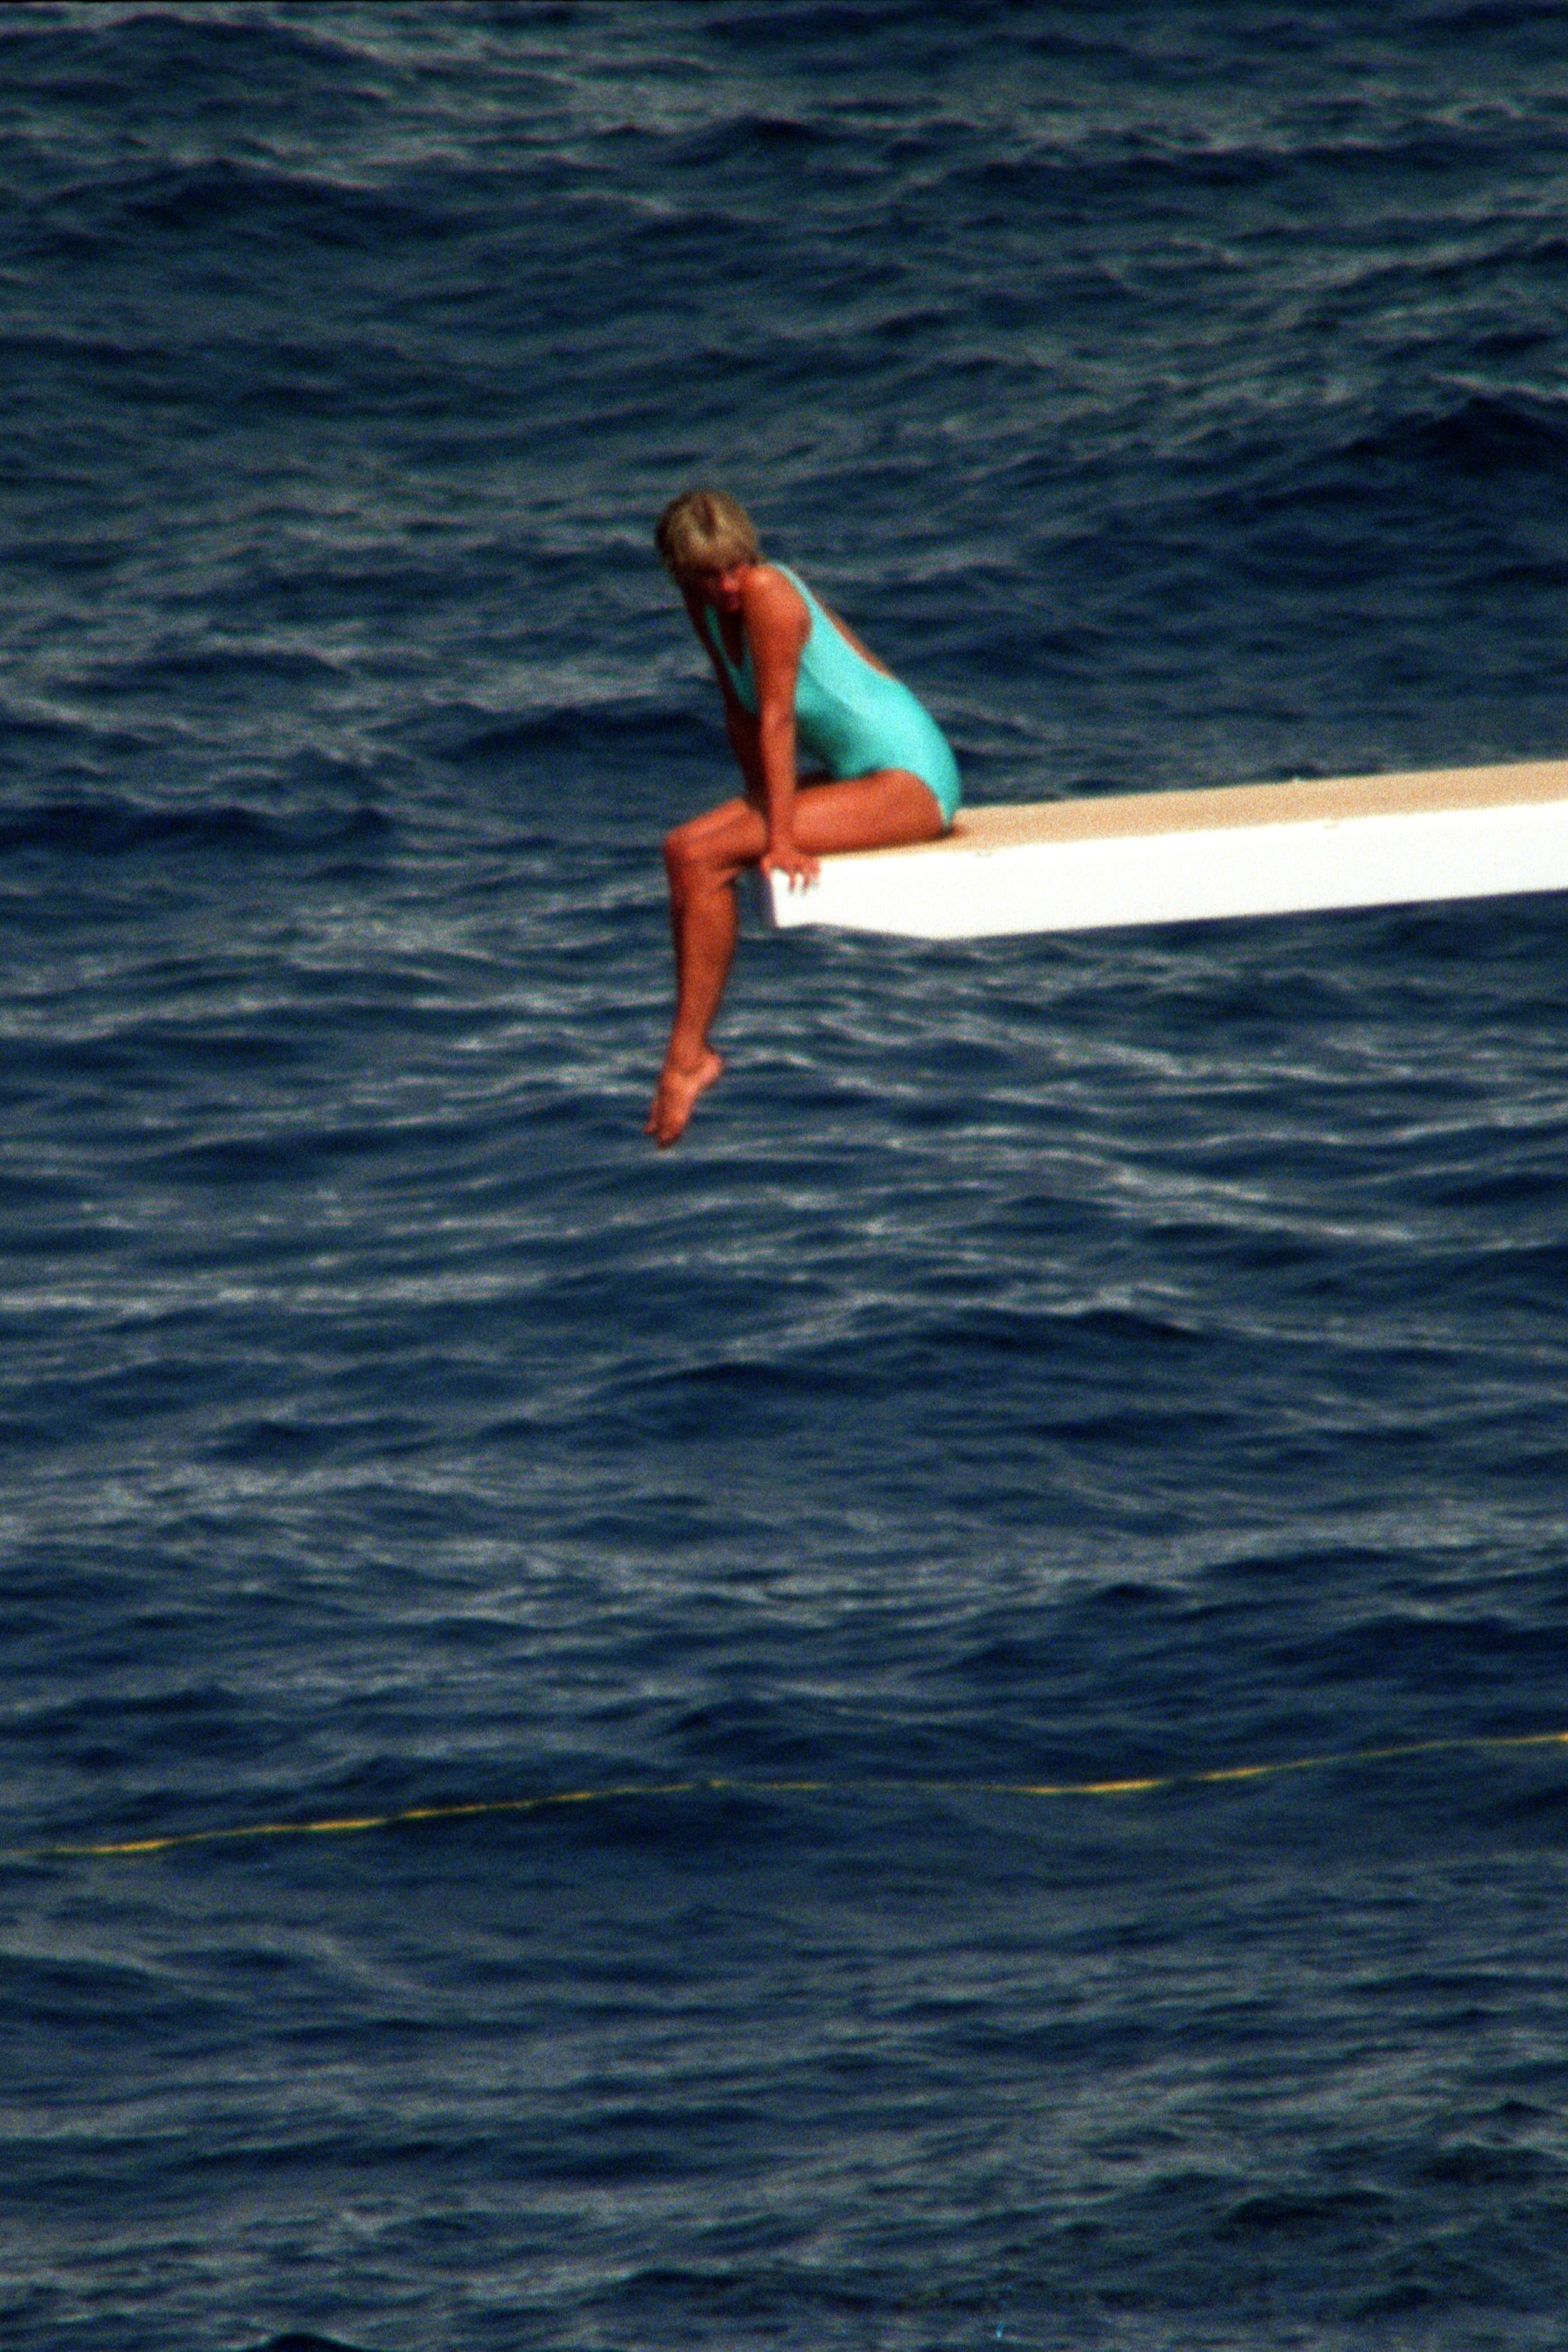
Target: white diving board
(1189,857)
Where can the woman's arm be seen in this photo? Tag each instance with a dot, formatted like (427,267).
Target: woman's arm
(739,723)
(741,730)
(777,624)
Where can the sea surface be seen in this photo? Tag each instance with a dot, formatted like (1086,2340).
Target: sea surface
(937,1719)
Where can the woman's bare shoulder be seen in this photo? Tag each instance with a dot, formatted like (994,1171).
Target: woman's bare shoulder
(773,599)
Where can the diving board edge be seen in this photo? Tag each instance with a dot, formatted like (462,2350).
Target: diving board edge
(1193,856)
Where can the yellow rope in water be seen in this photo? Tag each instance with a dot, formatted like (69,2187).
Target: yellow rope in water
(349,1824)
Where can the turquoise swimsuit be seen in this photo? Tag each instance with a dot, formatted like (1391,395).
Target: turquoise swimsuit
(852,718)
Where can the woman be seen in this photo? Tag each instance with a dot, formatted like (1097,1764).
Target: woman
(791,674)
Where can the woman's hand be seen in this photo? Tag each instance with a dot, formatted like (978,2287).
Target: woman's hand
(775,623)
(784,858)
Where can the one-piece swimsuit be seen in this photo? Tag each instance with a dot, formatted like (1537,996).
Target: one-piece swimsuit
(851,716)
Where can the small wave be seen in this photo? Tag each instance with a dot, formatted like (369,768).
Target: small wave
(43,727)
(1527,573)
(1543,1808)
(1444,1654)
(817,20)
(1035,177)
(109,827)
(747,133)
(1483,436)
(182,665)
(1469,2166)
(1454,21)
(241,68)
(301,2340)
(269,1441)
(72,60)
(240,200)
(753,1393)
(607,729)
(295,1155)
(1360,2211)
(1483,1185)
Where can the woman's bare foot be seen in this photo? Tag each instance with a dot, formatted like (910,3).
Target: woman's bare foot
(677,1094)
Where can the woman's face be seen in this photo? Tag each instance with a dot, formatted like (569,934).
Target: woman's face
(719,585)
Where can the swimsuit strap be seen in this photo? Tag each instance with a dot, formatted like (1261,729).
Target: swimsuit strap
(743,678)
(738,678)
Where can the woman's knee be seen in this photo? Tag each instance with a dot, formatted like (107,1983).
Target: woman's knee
(687,857)
(709,850)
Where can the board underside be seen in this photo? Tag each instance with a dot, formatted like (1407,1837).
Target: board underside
(1191,856)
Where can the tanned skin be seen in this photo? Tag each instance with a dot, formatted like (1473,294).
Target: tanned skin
(783,823)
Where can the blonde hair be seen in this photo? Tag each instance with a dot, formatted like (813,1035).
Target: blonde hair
(706,530)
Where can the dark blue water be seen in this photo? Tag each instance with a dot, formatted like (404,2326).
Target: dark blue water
(1044,1362)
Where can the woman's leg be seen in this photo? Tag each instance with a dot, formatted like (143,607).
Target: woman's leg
(704,858)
